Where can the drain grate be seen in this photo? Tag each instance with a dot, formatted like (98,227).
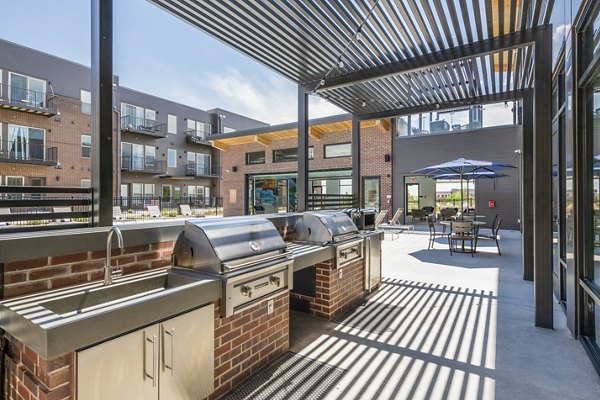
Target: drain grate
(289,377)
(369,317)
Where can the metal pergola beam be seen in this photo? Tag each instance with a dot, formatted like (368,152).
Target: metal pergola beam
(102,112)
(542,181)
(485,99)
(356,157)
(454,54)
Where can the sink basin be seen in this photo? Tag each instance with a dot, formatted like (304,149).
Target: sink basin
(63,320)
(104,296)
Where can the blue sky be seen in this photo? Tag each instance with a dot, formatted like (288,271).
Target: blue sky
(157,53)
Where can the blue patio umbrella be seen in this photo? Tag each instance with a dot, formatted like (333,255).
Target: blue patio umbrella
(461,167)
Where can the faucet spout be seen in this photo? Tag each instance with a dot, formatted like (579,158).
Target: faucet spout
(108,269)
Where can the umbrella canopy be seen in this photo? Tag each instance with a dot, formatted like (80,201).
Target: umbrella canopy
(462,167)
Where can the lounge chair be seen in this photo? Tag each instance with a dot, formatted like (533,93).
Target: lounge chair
(380,218)
(393,226)
(4,211)
(154,211)
(117,214)
(185,210)
(62,210)
(395,218)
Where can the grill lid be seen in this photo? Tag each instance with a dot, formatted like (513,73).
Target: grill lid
(213,242)
(324,226)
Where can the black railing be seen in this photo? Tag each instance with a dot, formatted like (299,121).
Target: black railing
(195,169)
(143,164)
(20,151)
(197,137)
(30,208)
(141,125)
(331,201)
(23,99)
(135,208)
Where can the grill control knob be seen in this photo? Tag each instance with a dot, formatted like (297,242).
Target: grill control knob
(247,291)
(275,280)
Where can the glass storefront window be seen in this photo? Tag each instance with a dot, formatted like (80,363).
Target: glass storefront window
(596,178)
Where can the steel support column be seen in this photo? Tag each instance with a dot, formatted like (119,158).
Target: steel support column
(102,111)
(356,158)
(542,180)
(302,181)
(527,186)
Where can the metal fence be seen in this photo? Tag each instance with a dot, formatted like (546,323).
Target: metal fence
(136,208)
(30,208)
(331,201)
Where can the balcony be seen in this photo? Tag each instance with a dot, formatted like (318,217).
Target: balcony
(143,165)
(24,100)
(194,169)
(143,126)
(197,137)
(28,153)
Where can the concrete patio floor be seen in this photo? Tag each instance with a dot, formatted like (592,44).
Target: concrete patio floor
(440,327)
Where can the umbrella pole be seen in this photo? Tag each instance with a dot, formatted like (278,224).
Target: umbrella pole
(462,215)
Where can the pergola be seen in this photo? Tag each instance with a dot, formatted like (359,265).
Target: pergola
(383,58)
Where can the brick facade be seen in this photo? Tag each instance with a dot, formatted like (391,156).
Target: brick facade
(335,294)
(375,144)
(247,341)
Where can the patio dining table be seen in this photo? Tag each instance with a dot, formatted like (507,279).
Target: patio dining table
(475,223)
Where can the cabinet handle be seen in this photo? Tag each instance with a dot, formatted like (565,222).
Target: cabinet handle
(146,353)
(171,365)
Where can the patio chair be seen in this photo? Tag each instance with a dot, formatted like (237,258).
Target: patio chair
(185,210)
(154,211)
(447,214)
(62,210)
(418,213)
(462,232)
(432,233)
(495,235)
(117,213)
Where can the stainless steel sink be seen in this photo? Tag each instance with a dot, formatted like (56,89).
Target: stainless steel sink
(117,293)
(55,322)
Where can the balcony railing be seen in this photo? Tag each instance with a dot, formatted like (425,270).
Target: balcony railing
(197,137)
(194,169)
(143,126)
(30,101)
(136,207)
(143,164)
(27,153)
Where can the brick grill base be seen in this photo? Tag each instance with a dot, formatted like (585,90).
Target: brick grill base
(247,341)
(335,294)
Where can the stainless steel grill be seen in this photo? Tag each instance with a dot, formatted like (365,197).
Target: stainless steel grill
(331,228)
(248,254)
(364,219)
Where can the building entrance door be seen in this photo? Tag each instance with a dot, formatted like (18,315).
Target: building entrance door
(412,197)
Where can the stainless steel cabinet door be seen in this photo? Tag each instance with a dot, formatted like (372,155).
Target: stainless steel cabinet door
(187,366)
(124,368)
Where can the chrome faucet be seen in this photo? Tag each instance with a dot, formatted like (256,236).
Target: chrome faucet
(108,269)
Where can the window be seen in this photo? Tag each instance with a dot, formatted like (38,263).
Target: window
(86,101)
(198,163)
(138,117)
(198,192)
(86,183)
(86,146)
(142,189)
(26,90)
(338,150)
(15,181)
(285,155)
(25,143)
(167,190)
(171,123)
(198,129)
(172,158)
(137,157)
(257,157)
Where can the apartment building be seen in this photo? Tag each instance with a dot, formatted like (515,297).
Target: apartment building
(260,165)
(161,146)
